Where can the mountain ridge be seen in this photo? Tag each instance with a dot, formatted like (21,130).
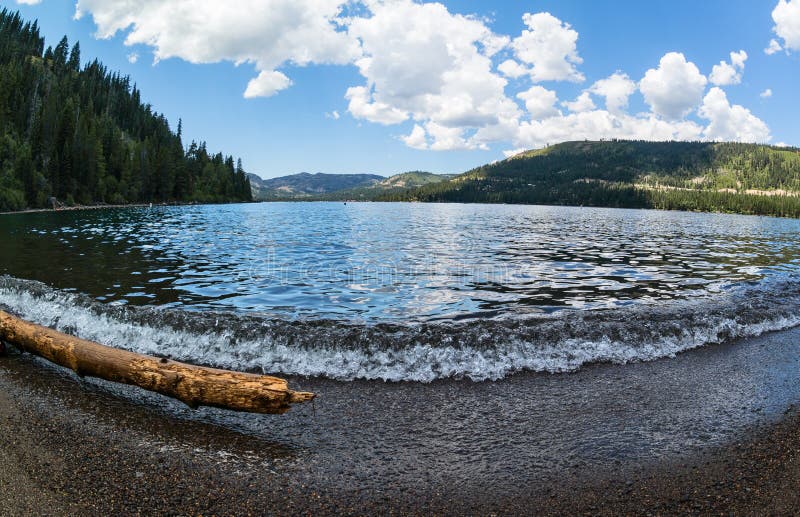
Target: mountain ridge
(699,176)
(319,185)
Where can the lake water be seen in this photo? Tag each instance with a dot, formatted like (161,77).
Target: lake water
(401,291)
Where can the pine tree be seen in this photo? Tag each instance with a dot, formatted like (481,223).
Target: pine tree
(85,134)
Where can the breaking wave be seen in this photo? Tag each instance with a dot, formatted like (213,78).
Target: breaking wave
(478,349)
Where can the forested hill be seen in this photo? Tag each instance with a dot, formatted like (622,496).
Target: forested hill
(704,176)
(337,187)
(83,135)
(306,185)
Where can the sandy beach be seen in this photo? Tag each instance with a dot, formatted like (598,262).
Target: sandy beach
(713,430)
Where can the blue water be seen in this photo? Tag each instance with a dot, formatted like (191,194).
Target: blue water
(398,261)
(402,290)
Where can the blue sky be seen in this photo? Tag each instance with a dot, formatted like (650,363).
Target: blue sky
(387,86)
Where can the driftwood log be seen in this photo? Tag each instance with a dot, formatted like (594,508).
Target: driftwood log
(194,385)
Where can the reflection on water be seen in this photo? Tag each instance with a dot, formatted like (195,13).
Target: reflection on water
(378,261)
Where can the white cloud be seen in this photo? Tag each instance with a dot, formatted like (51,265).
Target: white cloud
(549,48)
(738,59)
(725,74)
(268,83)
(422,62)
(597,124)
(417,138)
(512,69)
(363,105)
(267,33)
(133,57)
(29,2)
(786,16)
(766,94)
(674,88)
(436,137)
(730,122)
(616,89)
(581,104)
(434,70)
(773,47)
(449,138)
(539,102)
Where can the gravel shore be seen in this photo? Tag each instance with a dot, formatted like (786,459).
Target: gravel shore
(76,447)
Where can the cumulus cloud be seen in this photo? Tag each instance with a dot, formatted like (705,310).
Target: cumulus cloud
(773,47)
(616,89)
(422,62)
(730,122)
(786,16)
(582,103)
(267,33)
(363,105)
(725,74)
(674,88)
(539,102)
(133,58)
(549,48)
(29,2)
(512,69)
(417,139)
(597,124)
(443,75)
(268,83)
(766,94)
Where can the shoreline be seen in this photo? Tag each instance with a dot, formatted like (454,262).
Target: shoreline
(302,200)
(130,205)
(72,446)
(365,201)
(79,207)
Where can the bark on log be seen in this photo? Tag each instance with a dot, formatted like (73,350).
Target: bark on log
(193,385)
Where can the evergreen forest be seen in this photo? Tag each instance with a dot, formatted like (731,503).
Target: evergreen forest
(73,133)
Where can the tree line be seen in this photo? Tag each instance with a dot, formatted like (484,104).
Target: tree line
(83,135)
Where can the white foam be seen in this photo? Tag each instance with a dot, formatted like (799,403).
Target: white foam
(453,351)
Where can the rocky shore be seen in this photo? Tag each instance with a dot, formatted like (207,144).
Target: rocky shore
(80,447)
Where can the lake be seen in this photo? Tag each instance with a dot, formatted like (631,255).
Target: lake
(401,291)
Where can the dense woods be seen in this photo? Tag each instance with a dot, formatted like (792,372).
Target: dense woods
(701,176)
(82,134)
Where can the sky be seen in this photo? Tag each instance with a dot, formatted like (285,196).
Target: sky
(387,86)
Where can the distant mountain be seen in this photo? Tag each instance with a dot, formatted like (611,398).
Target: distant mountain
(396,184)
(698,176)
(256,181)
(411,179)
(306,185)
(339,186)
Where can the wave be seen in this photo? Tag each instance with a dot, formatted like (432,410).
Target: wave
(479,349)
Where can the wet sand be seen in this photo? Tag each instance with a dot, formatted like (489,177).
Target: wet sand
(715,430)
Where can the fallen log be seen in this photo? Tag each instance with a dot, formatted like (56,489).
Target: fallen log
(194,385)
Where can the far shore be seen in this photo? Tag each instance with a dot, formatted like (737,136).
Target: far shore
(73,208)
(107,206)
(319,200)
